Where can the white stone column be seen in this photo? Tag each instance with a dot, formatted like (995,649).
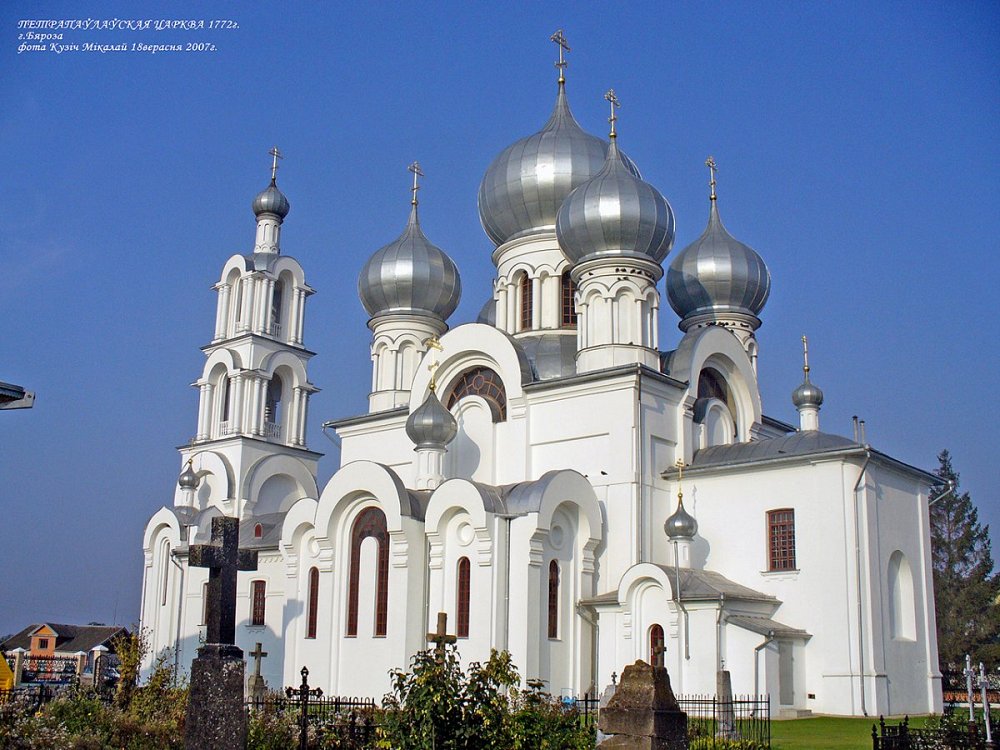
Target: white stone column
(203,409)
(236,404)
(513,307)
(304,406)
(256,416)
(536,303)
(299,318)
(246,304)
(221,311)
(294,415)
(268,303)
(501,312)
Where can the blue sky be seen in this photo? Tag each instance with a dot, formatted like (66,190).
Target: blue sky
(858,150)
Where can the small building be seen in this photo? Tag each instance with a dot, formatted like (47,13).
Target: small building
(44,644)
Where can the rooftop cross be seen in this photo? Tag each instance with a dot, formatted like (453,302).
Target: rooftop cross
(223,558)
(560,39)
(417,172)
(615,104)
(712,169)
(805,357)
(440,636)
(274,162)
(433,343)
(679,463)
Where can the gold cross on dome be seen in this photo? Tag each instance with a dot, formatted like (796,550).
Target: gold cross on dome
(679,463)
(433,343)
(560,39)
(612,98)
(417,172)
(805,356)
(712,169)
(274,161)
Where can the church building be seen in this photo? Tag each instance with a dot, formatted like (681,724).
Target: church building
(596,498)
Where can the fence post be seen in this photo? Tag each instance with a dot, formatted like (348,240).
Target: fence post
(18,664)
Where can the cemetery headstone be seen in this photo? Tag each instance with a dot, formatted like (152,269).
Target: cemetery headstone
(643,713)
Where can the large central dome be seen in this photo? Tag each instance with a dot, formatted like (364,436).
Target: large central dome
(523,188)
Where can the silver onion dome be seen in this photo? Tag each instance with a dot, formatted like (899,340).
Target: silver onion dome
(522,189)
(270,200)
(488,313)
(807,394)
(717,273)
(431,425)
(188,480)
(616,214)
(681,524)
(410,275)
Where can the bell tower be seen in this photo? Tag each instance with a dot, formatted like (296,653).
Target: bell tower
(254,389)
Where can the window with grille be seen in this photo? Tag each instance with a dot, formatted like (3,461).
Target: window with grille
(656,646)
(781,539)
(313,602)
(370,523)
(568,301)
(464,586)
(257,607)
(485,383)
(553,599)
(527,302)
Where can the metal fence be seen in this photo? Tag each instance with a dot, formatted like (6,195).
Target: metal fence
(24,700)
(338,722)
(903,737)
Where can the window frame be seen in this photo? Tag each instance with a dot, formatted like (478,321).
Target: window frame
(553,597)
(370,522)
(258,603)
(463,590)
(312,613)
(781,556)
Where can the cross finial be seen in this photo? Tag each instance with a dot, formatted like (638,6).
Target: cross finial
(275,154)
(679,463)
(612,98)
(417,172)
(433,343)
(712,169)
(805,357)
(560,39)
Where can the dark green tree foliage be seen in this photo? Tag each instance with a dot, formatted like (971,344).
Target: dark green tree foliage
(966,589)
(435,706)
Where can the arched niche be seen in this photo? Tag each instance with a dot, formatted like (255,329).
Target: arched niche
(275,483)
(902,605)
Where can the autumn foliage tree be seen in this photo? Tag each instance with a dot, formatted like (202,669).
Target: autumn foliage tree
(966,588)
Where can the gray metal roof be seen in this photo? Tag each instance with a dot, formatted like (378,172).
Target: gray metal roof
(717,273)
(796,444)
(552,355)
(523,188)
(270,527)
(766,626)
(410,275)
(615,214)
(69,638)
(707,584)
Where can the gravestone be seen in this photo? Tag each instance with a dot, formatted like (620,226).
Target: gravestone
(256,687)
(215,718)
(643,713)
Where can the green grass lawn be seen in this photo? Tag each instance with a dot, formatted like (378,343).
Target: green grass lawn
(825,732)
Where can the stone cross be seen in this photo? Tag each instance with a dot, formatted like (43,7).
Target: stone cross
(258,653)
(223,558)
(658,652)
(440,637)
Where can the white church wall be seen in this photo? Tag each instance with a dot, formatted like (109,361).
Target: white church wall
(383,440)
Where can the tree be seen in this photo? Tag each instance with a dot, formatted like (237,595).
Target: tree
(966,589)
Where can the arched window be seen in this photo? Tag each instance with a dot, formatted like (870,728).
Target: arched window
(274,325)
(312,613)
(781,539)
(462,596)
(568,300)
(272,408)
(370,523)
(483,382)
(656,646)
(226,402)
(258,591)
(553,599)
(258,531)
(527,302)
(238,325)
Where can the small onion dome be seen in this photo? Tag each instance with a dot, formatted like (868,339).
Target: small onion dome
(522,189)
(270,200)
(681,524)
(615,214)
(188,480)
(410,275)
(431,425)
(807,394)
(717,274)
